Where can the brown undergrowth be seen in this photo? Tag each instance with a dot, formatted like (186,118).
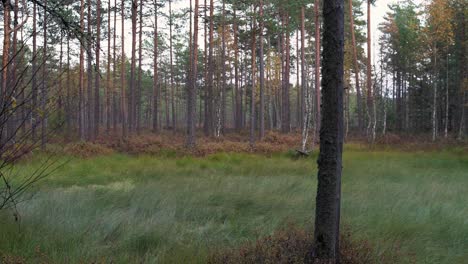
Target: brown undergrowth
(168,143)
(292,245)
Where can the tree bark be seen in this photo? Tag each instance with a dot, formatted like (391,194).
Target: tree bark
(262,76)
(370,98)
(89,89)
(317,67)
(238,108)
(44,87)
(81,81)
(252,97)
(155,69)
(223,70)
(123,106)
(109,58)
(140,71)
(171,68)
(97,81)
(327,217)
(192,95)
(34,78)
(356,67)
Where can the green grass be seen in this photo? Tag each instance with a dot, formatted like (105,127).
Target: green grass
(178,210)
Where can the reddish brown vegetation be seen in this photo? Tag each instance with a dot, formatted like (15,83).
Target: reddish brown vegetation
(291,246)
(274,142)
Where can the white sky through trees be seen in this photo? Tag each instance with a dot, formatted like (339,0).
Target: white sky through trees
(379,9)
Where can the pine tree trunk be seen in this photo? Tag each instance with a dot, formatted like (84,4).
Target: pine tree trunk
(285,113)
(223,70)
(97,80)
(34,78)
(44,84)
(262,76)
(252,97)
(140,71)
(370,97)
(356,67)
(81,81)
(68,113)
(172,68)
(115,104)
(192,93)
(109,83)
(4,117)
(89,89)
(155,69)
(317,68)
(327,217)
(238,108)
(131,92)
(123,106)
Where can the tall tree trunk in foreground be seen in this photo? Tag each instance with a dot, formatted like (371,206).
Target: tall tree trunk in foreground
(192,93)
(327,217)
(356,67)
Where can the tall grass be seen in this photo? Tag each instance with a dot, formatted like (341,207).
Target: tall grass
(178,210)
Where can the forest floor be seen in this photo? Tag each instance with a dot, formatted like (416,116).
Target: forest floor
(399,205)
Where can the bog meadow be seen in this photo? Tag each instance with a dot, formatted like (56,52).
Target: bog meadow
(229,131)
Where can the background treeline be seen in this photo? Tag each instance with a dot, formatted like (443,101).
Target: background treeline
(225,65)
